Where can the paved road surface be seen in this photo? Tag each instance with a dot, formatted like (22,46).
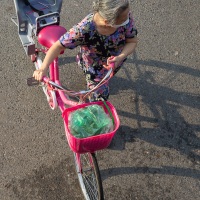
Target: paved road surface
(156,152)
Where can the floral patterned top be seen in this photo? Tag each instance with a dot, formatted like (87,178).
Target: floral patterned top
(94,47)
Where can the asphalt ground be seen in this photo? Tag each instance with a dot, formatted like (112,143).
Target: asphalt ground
(156,152)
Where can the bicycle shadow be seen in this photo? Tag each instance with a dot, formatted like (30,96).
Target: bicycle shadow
(163,102)
(165,170)
(170,129)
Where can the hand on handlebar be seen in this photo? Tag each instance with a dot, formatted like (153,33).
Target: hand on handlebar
(38,74)
(114,62)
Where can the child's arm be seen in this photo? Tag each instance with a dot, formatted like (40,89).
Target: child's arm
(129,48)
(52,53)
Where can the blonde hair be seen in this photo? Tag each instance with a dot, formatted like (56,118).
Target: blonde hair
(110,9)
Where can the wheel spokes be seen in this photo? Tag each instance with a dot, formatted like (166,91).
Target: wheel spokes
(87,176)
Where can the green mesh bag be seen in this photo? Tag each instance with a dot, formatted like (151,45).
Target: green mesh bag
(89,121)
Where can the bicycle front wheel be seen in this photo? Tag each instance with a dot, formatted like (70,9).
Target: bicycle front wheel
(89,176)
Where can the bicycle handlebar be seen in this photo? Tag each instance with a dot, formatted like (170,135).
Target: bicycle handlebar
(61,89)
(82,93)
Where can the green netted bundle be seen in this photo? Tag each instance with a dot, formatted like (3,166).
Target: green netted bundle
(89,121)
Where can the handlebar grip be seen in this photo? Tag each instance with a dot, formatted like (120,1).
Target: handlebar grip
(31,81)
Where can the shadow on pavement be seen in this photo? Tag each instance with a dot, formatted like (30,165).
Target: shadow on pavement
(171,130)
(165,170)
(169,126)
(47,183)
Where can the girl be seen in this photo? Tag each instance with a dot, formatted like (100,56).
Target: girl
(104,36)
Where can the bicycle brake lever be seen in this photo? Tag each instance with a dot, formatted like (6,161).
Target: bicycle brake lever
(32,82)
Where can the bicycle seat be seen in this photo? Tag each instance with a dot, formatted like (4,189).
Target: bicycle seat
(50,34)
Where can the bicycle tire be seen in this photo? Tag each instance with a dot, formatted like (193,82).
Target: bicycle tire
(89,176)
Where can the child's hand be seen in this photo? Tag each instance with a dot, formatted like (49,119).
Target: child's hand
(110,63)
(117,60)
(38,74)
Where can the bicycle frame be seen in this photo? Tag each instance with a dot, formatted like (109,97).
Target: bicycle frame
(61,97)
(92,169)
(62,100)
(46,35)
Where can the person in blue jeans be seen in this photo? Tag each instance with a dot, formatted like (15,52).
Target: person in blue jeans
(106,35)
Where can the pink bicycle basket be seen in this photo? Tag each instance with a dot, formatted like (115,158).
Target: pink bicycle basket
(92,143)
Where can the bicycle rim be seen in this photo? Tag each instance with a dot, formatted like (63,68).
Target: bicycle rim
(89,176)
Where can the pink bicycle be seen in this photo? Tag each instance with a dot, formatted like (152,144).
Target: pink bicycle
(38,22)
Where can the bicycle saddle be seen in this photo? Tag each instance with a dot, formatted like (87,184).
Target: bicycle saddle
(50,34)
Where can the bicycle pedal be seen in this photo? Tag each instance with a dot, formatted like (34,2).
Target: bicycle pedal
(32,82)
